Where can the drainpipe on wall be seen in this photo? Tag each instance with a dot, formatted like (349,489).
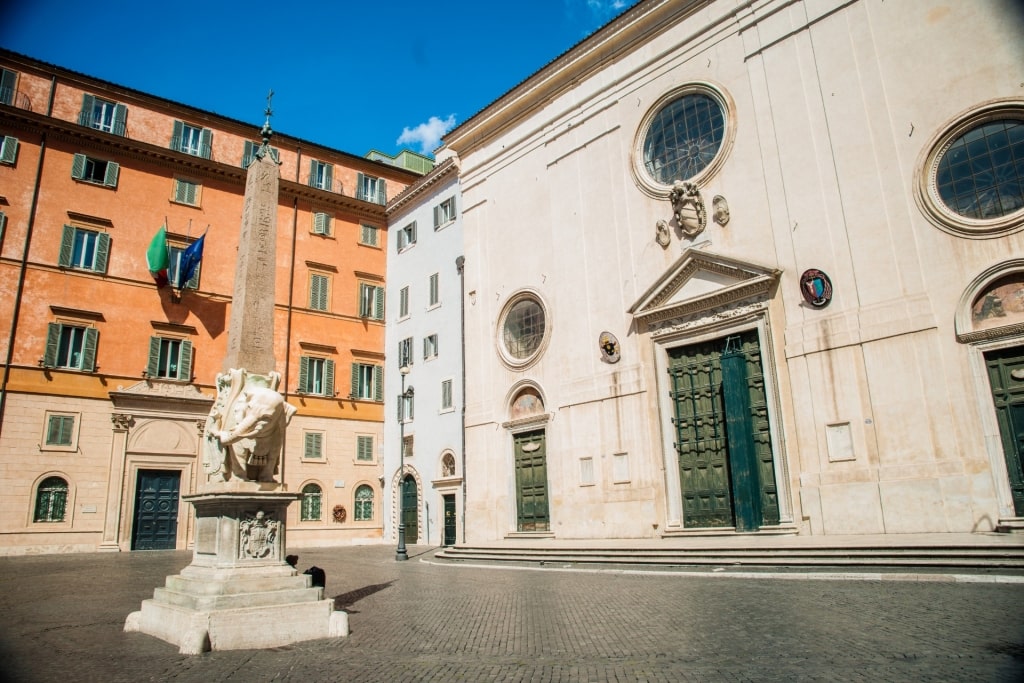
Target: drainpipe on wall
(460,266)
(23,267)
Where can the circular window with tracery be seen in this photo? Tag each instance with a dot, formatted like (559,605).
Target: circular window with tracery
(682,138)
(972,181)
(523,329)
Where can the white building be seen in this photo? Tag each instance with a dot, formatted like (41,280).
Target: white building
(423,339)
(743,266)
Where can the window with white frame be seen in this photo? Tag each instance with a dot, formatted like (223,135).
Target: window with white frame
(371,189)
(435,297)
(430,346)
(186,192)
(102,114)
(316,376)
(190,139)
(364,448)
(313,445)
(312,496)
(403,302)
(319,291)
(367,382)
(364,503)
(406,236)
(406,406)
(321,175)
(70,346)
(84,249)
(369,235)
(371,301)
(96,171)
(444,213)
(405,352)
(170,358)
(446,395)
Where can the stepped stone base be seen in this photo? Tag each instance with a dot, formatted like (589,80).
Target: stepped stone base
(238,593)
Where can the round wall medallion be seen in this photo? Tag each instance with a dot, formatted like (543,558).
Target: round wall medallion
(816,288)
(610,350)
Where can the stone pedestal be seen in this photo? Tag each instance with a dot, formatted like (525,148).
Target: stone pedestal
(238,593)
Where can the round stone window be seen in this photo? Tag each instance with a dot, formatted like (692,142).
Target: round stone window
(523,329)
(973,180)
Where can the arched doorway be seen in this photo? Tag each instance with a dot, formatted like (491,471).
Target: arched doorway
(529,446)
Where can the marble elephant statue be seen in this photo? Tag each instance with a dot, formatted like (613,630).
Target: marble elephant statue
(254,439)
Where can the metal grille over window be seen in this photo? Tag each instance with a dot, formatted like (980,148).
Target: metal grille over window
(311,503)
(981,173)
(683,138)
(51,500)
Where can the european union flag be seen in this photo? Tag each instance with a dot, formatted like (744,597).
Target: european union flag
(190,259)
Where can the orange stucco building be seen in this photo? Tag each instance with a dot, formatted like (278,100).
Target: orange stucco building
(107,379)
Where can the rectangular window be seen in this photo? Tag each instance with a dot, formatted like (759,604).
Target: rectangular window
(444,213)
(313,445)
(369,235)
(170,358)
(407,236)
(103,115)
(403,302)
(60,430)
(84,249)
(8,150)
(407,446)
(321,175)
(321,223)
(191,139)
(586,471)
(446,395)
(316,376)
(71,346)
(430,346)
(406,404)
(8,83)
(364,448)
(319,291)
(96,171)
(249,150)
(620,468)
(176,269)
(186,192)
(371,189)
(405,352)
(371,301)
(367,382)
(435,297)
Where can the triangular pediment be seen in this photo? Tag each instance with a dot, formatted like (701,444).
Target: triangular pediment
(702,280)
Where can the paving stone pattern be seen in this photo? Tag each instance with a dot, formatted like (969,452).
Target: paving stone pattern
(420,621)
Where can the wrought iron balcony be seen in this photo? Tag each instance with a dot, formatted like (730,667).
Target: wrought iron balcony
(13,98)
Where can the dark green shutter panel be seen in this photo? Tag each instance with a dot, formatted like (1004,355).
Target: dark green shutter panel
(304,375)
(247,153)
(437,216)
(92,336)
(382,192)
(179,128)
(328,377)
(56,431)
(180,191)
(67,245)
(102,252)
(52,340)
(360,188)
(355,380)
(320,223)
(329,177)
(275,155)
(120,119)
(312,172)
(378,303)
(9,150)
(110,177)
(313,446)
(185,361)
(78,167)
(153,364)
(205,138)
(378,383)
(85,116)
(7,79)
(193,282)
(3,224)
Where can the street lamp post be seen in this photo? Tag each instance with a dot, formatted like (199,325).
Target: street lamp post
(400,553)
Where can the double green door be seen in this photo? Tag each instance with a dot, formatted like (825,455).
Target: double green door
(155,525)
(531,481)
(722,434)
(410,509)
(1006,378)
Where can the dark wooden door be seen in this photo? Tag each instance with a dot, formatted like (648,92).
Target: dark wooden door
(156,510)
(449,519)
(705,421)
(531,482)
(1006,377)
(410,503)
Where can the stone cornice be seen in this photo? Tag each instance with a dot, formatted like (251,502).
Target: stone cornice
(421,186)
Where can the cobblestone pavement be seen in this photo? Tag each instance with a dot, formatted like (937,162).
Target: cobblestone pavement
(420,621)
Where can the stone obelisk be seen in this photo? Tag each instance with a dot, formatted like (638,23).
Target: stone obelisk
(238,592)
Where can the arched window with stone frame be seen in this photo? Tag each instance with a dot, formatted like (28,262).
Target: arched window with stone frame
(312,503)
(51,500)
(364,503)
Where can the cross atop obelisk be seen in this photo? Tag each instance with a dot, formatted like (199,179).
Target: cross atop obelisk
(251,328)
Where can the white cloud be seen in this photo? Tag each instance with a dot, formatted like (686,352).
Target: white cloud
(427,135)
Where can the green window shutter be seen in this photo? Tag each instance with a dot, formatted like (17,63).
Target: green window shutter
(382,192)
(179,128)
(190,193)
(318,292)
(321,223)
(185,361)
(9,150)
(312,172)
(120,119)
(85,116)
(8,79)
(205,143)
(378,303)
(360,192)
(355,380)
(378,383)
(59,430)
(180,191)
(329,177)
(78,167)
(102,252)
(328,377)
(437,216)
(52,340)
(3,224)
(92,336)
(67,245)
(153,364)
(110,177)
(364,448)
(248,152)
(313,447)
(412,239)
(304,375)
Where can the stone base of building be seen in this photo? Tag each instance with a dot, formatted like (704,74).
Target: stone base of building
(238,593)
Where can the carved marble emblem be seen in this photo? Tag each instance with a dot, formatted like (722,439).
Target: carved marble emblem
(258,534)
(720,210)
(663,236)
(610,349)
(688,208)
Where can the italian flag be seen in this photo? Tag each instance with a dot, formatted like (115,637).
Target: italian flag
(156,257)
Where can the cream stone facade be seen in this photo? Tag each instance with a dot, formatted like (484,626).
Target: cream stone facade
(788,326)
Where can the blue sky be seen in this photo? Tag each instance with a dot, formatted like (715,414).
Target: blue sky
(352,75)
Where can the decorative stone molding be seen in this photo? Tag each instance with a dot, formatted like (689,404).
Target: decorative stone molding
(122,421)
(257,534)
(720,210)
(706,318)
(688,208)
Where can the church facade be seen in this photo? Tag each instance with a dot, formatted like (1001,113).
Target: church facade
(737,267)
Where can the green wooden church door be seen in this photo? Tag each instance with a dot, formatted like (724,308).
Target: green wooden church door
(531,482)
(1006,377)
(722,434)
